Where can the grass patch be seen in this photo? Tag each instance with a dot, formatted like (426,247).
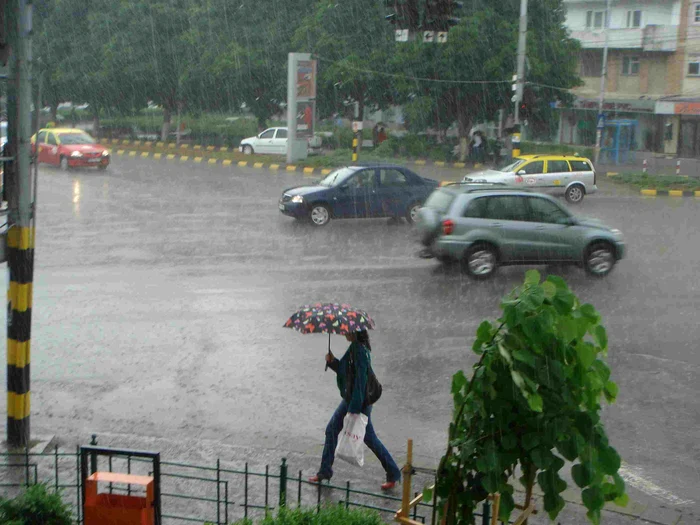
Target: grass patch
(657,182)
(326,516)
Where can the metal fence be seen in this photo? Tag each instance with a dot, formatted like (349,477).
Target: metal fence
(219,493)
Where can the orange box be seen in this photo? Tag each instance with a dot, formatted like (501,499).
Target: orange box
(118,509)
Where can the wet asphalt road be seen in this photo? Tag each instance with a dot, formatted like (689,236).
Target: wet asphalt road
(161,289)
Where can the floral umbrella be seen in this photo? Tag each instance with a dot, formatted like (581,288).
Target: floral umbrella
(330,318)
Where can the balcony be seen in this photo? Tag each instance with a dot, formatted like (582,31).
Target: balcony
(663,38)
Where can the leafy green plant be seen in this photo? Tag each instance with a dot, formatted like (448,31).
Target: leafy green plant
(331,515)
(533,402)
(36,506)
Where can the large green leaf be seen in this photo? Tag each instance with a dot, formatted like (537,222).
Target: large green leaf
(593,498)
(459,381)
(582,475)
(532,277)
(601,337)
(609,460)
(535,402)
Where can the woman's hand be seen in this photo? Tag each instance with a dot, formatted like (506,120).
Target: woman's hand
(329,357)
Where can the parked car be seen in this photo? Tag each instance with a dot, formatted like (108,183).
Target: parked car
(69,148)
(362,191)
(273,141)
(484,226)
(570,175)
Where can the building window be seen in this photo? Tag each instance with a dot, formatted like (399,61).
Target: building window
(595,19)
(697,13)
(634,18)
(694,68)
(591,64)
(630,66)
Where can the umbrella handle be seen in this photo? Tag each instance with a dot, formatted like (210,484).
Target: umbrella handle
(329,351)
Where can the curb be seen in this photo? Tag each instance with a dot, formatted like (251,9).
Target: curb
(651,192)
(192,148)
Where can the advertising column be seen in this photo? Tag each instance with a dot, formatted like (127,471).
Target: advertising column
(301,105)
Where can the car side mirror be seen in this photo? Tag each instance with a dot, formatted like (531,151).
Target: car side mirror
(522,172)
(567,221)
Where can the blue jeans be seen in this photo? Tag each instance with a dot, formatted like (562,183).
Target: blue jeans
(335,426)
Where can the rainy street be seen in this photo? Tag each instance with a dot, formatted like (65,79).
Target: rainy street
(161,289)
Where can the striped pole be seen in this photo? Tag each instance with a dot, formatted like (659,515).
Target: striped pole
(644,166)
(516,144)
(678,167)
(355,142)
(20,234)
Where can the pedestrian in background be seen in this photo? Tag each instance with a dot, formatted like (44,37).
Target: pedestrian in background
(354,402)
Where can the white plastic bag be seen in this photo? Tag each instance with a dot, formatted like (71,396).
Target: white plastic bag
(351,446)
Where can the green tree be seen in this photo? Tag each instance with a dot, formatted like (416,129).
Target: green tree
(533,402)
(468,79)
(353,44)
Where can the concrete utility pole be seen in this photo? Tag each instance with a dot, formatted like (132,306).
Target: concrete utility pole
(19,246)
(520,81)
(603,84)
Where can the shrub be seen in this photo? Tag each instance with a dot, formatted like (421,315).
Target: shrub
(326,516)
(36,506)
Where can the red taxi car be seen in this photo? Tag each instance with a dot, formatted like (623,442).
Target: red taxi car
(70,148)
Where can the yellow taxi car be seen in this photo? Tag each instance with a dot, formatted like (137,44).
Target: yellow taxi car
(570,175)
(69,148)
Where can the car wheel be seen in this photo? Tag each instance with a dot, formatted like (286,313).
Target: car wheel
(248,150)
(319,215)
(574,194)
(599,259)
(412,212)
(480,261)
(64,163)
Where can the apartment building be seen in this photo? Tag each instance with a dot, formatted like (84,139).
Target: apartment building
(653,82)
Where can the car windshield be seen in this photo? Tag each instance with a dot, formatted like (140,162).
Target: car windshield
(511,165)
(337,177)
(76,138)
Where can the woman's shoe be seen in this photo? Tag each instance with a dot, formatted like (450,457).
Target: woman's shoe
(389,485)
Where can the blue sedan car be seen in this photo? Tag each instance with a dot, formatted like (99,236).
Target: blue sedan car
(364,191)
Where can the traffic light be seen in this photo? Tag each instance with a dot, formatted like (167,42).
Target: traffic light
(440,15)
(524,111)
(403,14)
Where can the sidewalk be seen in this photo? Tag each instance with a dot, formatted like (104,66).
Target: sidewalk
(305,457)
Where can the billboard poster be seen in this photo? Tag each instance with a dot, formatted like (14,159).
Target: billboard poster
(306,79)
(306,112)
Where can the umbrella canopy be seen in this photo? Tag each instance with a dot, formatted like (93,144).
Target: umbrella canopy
(330,318)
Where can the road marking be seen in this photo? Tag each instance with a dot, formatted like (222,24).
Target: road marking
(104,141)
(308,171)
(459,165)
(291,168)
(274,167)
(197,146)
(227,162)
(157,155)
(148,144)
(439,163)
(675,193)
(210,148)
(325,171)
(184,146)
(145,154)
(243,163)
(223,149)
(120,152)
(132,153)
(211,161)
(125,141)
(697,193)
(197,159)
(184,158)
(633,476)
(650,193)
(171,145)
(258,165)
(612,173)
(160,144)
(170,156)
(115,141)
(420,162)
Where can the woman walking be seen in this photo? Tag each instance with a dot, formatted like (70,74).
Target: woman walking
(353,402)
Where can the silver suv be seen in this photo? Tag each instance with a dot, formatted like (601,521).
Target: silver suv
(485,226)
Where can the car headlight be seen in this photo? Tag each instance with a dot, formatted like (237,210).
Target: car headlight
(105,153)
(297,199)
(76,154)
(616,232)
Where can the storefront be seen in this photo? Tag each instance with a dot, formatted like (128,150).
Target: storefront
(681,127)
(577,123)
